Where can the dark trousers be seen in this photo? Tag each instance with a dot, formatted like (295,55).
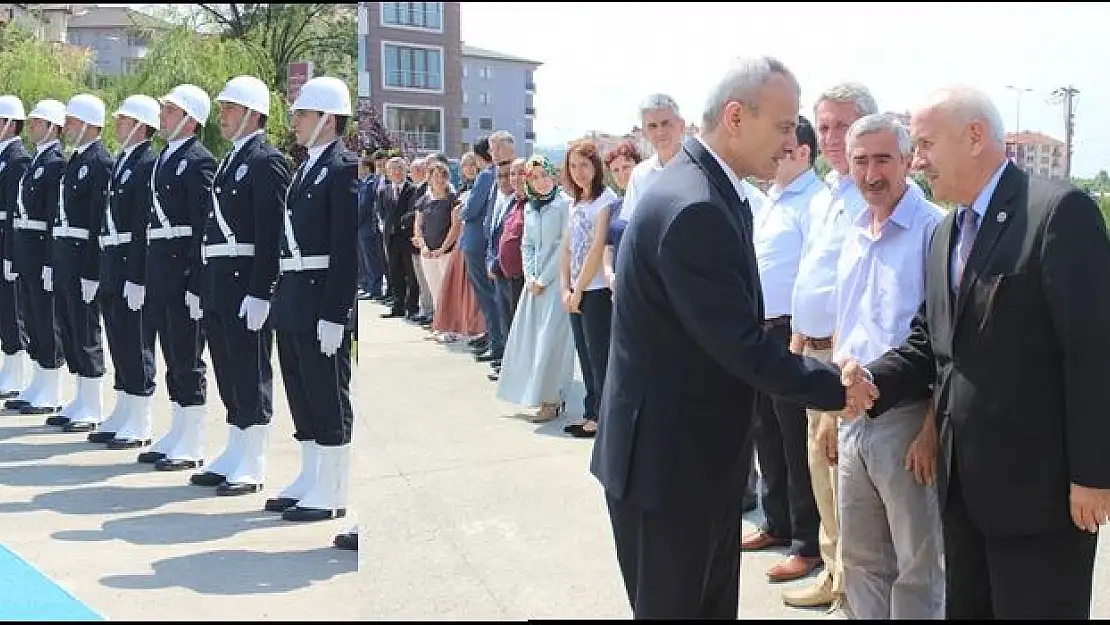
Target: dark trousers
(130,345)
(680,565)
(79,323)
(1042,576)
(516,288)
(244,373)
(371,259)
(317,387)
(487,300)
(402,275)
(13,334)
(781,441)
(503,296)
(182,349)
(591,328)
(44,344)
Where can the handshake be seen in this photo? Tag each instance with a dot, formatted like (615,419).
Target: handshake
(860,391)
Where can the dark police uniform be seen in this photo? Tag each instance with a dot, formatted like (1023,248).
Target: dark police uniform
(13,335)
(36,206)
(123,259)
(318,281)
(76,255)
(242,236)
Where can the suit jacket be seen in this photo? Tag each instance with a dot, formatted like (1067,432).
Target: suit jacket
(84,198)
(398,216)
(1017,357)
(496,223)
(183,184)
(474,214)
(32,249)
(323,210)
(13,163)
(688,352)
(250,189)
(367,198)
(129,206)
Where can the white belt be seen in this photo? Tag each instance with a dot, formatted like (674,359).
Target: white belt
(227,250)
(29,224)
(169,232)
(71,232)
(3,215)
(112,240)
(304,263)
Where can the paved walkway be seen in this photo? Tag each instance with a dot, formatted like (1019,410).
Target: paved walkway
(467,510)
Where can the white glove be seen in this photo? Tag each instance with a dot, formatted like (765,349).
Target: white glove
(193,303)
(88,290)
(255,311)
(9,274)
(47,279)
(330,335)
(135,294)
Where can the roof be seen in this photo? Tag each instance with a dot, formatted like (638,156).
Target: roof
(482,53)
(1027,137)
(115,17)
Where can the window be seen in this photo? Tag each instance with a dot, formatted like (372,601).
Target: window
(485,72)
(465,147)
(411,67)
(529,136)
(464,123)
(136,39)
(466,98)
(422,127)
(485,98)
(130,66)
(529,81)
(424,15)
(464,70)
(485,123)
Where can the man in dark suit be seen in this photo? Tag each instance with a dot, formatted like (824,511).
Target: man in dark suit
(371,254)
(689,354)
(396,202)
(1012,336)
(14,160)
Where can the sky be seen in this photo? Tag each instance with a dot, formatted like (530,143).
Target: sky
(601,59)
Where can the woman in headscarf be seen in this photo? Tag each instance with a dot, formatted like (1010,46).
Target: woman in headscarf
(538,364)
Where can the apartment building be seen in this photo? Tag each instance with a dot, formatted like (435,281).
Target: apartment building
(409,55)
(119,37)
(1037,153)
(497,94)
(45,22)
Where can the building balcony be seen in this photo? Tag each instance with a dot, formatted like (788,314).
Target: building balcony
(420,140)
(529,86)
(530,111)
(529,136)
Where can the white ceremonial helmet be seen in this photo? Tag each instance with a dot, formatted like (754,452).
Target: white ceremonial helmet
(191,99)
(325,95)
(87,108)
(141,108)
(247,91)
(52,111)
(11,107)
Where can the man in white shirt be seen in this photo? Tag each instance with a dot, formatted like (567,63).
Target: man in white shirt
(832,212)
(780,228)
(664,129)
(890,536)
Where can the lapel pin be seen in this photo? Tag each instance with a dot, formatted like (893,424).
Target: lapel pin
(1001,217)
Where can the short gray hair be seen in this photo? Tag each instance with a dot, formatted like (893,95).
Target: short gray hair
(969,104)
(743,83)
(658,101)
(419,161)
(502,136)
(396,161)
(853,92)
(881,122)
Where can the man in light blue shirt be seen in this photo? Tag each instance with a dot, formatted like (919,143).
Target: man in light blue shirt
(890,530)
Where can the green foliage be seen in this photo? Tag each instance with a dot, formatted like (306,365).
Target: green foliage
(822,167)
(35,71)
(923,182)
(1104,206)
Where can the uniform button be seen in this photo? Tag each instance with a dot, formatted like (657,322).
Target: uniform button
(236,274)
(211,214)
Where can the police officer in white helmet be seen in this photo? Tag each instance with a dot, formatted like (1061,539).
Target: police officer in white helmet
(14,160)
(241,241)
(313,305)
(122,267)
(181,197)
(35,205)
(76,259)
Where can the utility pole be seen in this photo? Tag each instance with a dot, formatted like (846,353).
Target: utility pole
(1067,96)
(1019,91)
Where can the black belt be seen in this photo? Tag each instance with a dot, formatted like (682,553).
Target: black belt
(781,320)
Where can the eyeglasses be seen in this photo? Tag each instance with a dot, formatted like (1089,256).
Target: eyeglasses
(504,163)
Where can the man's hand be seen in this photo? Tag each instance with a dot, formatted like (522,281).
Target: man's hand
(826,438)
(535,288)
(797,344)
(1090,507)
(921,457)
(860,390)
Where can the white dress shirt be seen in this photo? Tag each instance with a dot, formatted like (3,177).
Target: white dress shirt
(780,232)
(644,174)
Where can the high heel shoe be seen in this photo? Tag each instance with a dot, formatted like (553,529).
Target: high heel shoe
(547,413)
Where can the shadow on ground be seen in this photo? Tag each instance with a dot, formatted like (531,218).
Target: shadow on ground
(241,572)
(51,475)
(176,528)
(106,499)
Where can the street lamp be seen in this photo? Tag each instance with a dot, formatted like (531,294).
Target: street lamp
(1019,91)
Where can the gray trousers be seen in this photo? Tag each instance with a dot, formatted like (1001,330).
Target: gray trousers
(427,307)
(890,530)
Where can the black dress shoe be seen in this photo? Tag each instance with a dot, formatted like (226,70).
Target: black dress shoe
(578,431)
(101,437)
(228,489)
(29,410)
(58,420)
(207,478)
(487,357)
(16,404)
(150,457)
(480,348)
(170,464)
(309,515)
(78,427)
(478,340)
(493,377)
(279,504)
(9,395)
(495,364)
(118,443)
(348,541)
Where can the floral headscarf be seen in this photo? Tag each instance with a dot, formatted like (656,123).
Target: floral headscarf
(548,167)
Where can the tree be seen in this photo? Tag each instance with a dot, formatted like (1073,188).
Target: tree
(34,70)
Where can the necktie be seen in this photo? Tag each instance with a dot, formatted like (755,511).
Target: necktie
(746,217)
(969,228)
(396,192)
